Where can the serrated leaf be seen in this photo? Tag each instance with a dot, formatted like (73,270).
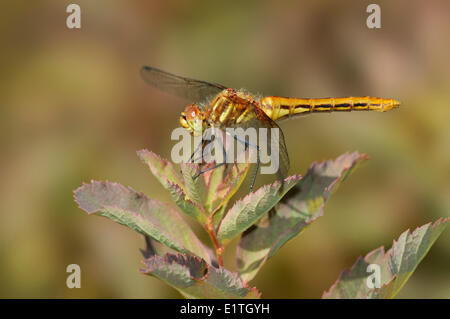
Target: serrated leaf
(195,187)
(162,169)
(396,266)
(134,210)
(194,278)
(302,205)
(226,190)
(186,205)
(223,183)
(245,212)
(173,181)
(383,292)
(213,179)
(153,247)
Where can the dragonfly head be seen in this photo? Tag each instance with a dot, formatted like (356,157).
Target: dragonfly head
(193,119)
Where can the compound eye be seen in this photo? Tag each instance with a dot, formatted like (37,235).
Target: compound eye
(192,112)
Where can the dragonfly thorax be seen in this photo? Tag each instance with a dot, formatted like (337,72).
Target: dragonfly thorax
(231,107)
(227,109)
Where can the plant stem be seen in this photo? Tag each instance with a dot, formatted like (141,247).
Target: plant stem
(219,249)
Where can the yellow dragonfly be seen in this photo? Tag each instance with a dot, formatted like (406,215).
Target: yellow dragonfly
(215,105)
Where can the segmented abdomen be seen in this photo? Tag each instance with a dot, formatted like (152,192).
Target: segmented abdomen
(280,107)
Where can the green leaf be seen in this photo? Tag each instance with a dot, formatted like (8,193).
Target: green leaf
(134,210)
(195,187)
(396,266)
(153,247)
(245,212)
(162,169)
(172,180)
(222,185)
(186,205)
(194,278)
(300,207)
(227,188)
(213,180)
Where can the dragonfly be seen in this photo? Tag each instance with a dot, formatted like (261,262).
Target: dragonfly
(217,106)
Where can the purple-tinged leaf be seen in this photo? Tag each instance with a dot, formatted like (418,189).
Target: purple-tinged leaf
(228,187)
(194,278)
(153,247)
(173,181)
(134,210)
(384,292)
(195,187)
(213,179)
(299,208)
(247,211)
(223,183)
(186,205)
(162,169)
(396,265)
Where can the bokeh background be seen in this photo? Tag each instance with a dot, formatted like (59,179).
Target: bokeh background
(74,108)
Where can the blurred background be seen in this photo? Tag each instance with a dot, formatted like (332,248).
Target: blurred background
(74,108)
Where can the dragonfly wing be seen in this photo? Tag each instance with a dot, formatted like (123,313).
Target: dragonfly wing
(282,150)
(284,156)
(190,89)
(258,119)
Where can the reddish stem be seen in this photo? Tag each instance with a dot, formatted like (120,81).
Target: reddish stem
(219,249)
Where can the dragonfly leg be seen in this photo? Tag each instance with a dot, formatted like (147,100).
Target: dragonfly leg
(217,165)
(208,169)
(200,146)
(256,170)
(195,152)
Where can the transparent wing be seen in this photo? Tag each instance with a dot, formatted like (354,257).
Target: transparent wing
(190,89)
(284,156)
(258,119)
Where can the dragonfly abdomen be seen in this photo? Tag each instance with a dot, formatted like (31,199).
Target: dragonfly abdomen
(280,107)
